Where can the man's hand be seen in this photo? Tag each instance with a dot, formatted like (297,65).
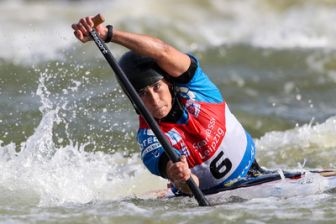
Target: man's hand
(84,26)
(179,173)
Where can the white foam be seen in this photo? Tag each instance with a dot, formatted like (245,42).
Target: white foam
(59,175)
(40,172)
(320,134)
(317,142)
(32,31)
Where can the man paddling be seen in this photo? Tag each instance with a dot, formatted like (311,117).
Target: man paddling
(188,107)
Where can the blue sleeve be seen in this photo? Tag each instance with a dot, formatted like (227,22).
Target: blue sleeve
(200,87)
(151,150)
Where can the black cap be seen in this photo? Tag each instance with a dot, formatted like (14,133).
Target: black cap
(140,70)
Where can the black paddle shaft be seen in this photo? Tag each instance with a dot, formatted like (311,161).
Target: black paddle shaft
(137,102)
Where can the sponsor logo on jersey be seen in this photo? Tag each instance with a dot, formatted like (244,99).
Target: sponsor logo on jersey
(186,93)
(193,107)
(151,148)
(148,141)
(174,136)
(177,141)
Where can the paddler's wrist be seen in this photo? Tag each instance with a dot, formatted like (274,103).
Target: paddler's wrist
(108,33)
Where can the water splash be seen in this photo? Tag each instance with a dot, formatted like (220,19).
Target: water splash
(311,184)
(314,144)
(44,173)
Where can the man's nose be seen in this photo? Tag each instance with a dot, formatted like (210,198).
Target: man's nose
(153,96)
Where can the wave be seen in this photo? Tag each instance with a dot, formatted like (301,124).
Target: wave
(46,175)
(33,32)
(308,145)
(42,173)
(51,169)
(45,170)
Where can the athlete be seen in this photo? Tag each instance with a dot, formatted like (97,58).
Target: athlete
(189,108)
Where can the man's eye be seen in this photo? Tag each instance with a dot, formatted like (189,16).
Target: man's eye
(156,85)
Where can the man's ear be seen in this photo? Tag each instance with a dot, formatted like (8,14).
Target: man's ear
(169,83)
(171,87)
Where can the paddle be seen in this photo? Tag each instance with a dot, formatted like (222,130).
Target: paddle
(136,100)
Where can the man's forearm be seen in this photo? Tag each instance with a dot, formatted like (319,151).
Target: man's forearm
(142,44)
(167,57)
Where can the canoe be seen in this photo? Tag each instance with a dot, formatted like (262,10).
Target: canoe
(271,184)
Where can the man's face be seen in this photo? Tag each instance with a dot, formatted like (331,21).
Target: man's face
(157,98)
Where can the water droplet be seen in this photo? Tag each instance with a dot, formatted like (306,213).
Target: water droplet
(298,97)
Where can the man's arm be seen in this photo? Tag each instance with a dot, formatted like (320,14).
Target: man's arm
(167,57)
(174,62)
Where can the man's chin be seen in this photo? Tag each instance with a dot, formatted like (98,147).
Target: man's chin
(160,115)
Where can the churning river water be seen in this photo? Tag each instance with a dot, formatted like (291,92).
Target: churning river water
(67,147)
